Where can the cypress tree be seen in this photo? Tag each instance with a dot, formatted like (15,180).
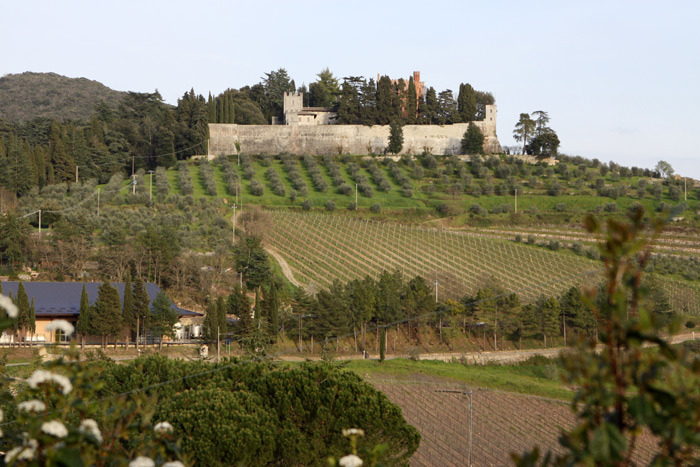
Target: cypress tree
(395,137)
(211,109)
(221,314)
(466,103)
(84,325)
(210,322)
(238,304)
(383,102)
(32,317)
(141,304)
(108,312)
(431,105)
(272,305)
(63,162)
(128,311)
(23,310)
(411,102)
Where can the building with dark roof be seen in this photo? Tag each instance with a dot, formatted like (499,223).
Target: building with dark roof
(61,300)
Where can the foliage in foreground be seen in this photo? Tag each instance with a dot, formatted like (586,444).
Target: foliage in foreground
(623,390)
(255,413)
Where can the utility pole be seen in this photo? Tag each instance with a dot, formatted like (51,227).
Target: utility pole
(218,345)
(40,222)
(516,200)
(356,197)
(133,184)
(234,224)
(76,174)
(685,188)
(98,202)
(150,188)
(132,165)
(436,290)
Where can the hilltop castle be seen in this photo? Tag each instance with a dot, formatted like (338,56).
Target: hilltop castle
(296,114)
(314,130)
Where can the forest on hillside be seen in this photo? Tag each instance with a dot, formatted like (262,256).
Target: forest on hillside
(68,123)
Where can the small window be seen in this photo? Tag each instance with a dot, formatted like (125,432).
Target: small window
(61,336)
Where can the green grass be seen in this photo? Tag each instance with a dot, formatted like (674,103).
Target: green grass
(535,379)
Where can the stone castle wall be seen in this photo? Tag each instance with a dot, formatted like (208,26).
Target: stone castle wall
(346,139)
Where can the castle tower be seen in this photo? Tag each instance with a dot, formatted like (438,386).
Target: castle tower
(292,104)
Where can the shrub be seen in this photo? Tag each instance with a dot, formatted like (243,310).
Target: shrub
(330,205)
(376,208)
(443,209)
(256,188)
(531,239)
(560,207)
(306,206)
(352,206)
(518,238)
(244,433)
(610,207)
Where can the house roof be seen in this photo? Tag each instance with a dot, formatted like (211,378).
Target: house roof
(63,298)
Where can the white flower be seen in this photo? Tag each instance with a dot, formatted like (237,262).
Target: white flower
(55,428)
(163,427)
(353,432)
(90,427)
(8,305)
(43,376)
(173,464)
(32,406)
(351,460)
(142,461)
(60,325)
(20,453)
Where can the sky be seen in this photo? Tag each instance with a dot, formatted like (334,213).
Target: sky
(619,79)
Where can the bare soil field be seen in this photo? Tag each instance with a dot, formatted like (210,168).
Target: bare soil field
(501,422)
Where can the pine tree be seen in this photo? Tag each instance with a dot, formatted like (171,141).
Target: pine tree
(473,140)
(163,318)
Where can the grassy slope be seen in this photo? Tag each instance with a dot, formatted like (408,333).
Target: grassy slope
(540,380)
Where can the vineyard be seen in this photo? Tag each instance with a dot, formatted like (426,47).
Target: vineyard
(501,423)
(320,248)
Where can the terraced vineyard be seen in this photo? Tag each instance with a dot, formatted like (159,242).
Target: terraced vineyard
(501,423)
(320,248)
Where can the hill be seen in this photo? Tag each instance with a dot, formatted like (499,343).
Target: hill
(29,95)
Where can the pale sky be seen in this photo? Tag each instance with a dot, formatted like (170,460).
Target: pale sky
(620,79)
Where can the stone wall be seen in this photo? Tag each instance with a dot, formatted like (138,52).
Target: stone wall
(346,139)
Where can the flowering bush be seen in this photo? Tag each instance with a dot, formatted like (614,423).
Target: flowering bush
(55,417)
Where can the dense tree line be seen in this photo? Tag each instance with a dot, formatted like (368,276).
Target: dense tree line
(364,308)
(143,132)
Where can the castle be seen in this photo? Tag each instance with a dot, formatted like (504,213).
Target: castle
(314,130)
(296,114)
